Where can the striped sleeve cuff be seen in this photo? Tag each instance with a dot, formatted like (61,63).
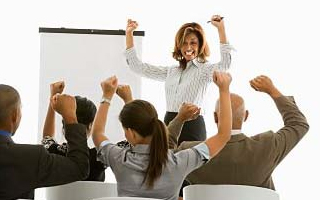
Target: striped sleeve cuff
(226,48)
(131,52)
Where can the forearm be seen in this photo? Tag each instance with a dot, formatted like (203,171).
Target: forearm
(174,129)
(222,35)
(217,142)
(99,124)
(275,93)
(129,40)
(49,124)
(295,126)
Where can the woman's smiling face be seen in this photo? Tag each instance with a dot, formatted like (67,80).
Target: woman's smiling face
(190,47)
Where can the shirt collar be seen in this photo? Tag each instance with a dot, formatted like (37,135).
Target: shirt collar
(141,148)
(194,63)
(5,137)
(6,134)
(235,131)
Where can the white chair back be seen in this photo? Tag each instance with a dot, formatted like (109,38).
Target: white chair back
(125,198)
(228,192)
(81,190)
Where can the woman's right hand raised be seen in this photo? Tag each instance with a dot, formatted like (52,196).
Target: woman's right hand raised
(131,26)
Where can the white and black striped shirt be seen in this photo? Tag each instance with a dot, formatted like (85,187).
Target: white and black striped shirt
(187,85)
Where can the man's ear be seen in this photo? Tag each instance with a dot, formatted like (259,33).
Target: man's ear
(246,115)
(216,117)
(15,116)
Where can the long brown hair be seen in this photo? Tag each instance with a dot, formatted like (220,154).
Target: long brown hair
(185,30)
(142,117)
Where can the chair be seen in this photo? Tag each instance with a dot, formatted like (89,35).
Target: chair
(81,190)
(125,198)
(228,192)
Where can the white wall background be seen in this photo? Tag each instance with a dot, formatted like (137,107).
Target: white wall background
(83,61)
(276,38)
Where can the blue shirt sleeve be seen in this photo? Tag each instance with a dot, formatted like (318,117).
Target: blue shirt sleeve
(203,149)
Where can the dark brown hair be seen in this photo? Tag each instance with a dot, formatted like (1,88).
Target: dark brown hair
(86,111)
(142,117)
(185,30)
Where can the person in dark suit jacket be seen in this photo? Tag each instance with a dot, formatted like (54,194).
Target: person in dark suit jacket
(251,160)
(25,167)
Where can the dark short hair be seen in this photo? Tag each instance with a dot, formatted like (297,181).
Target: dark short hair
(9,100)
(86,111)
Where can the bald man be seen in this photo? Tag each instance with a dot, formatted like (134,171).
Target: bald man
(251,160)
(25,167)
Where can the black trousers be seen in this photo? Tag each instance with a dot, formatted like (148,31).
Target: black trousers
(194,130)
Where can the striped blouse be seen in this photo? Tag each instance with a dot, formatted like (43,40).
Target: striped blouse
(187,85)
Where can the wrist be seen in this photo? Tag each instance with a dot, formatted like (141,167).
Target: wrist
(180,118)
(107,95)
(70,119)
(224,90)
(127,100)
(129,33)
(106,99)
(274,93)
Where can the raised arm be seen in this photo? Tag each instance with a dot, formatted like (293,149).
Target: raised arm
(131,26)
(187,111)
(49,124)
(295,123)
(225,49)
(218,22)
(218,141)
(124,92)
(264,84)
(54,169)
(154,72)
(109,87)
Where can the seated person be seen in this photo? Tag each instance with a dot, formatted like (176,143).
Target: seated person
(24,167)
(251,160)
(85,112)
(149,168)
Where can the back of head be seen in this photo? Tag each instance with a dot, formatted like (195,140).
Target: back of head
(238,110)
(86,110)
(9,102)
(184,30)
(142,117)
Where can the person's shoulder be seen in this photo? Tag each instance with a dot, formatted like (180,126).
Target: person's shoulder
(28,146)
(26,150)
(264,136)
